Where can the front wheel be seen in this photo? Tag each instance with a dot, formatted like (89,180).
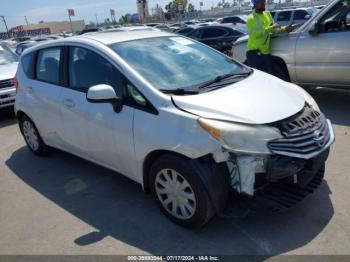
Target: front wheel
(32,136)
(179,191)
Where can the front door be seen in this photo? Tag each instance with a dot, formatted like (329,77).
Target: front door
(324,58)
(95,130)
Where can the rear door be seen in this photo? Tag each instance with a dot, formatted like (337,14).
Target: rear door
(44,92)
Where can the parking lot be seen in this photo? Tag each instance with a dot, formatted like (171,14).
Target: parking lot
(61,204)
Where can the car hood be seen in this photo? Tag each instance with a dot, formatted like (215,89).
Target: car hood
(8,71)
(258,99)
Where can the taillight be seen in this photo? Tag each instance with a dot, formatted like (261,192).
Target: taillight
(15,83)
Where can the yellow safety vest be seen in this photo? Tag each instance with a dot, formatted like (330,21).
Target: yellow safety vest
(260,28)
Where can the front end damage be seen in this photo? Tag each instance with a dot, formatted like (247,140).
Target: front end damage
(292,168)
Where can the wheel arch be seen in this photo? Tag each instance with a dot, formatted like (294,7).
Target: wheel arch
(280,61)
(215,176)
(149,160)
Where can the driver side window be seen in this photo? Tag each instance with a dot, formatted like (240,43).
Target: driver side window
(87,68)
(336,19)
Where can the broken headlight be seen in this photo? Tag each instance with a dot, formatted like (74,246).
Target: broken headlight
(240,138)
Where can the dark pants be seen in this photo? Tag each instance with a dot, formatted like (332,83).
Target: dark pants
(260,61)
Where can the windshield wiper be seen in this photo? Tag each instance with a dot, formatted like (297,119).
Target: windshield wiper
(223,77)
(179,91)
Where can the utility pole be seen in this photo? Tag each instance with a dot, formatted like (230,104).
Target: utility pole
(25,18)
(7,30)
(96,21)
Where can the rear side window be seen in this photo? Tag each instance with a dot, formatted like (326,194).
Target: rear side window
(27,62)
(284,16)
(213,32)
(86,69)
(48,65)
(300,14)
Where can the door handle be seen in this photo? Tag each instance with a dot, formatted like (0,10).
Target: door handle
(68,103)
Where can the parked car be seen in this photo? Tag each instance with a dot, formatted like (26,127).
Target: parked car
(219,37)
(132,28)
(164,27)
(8,67)
(186,30)
(193,127)
(236,19)
(293,16)
(20,47)
(152,24)
(177,26)
(315,54)
(90,30)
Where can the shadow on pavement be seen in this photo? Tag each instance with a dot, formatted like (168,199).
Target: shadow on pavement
(334,103)
(7,117)
(117,207)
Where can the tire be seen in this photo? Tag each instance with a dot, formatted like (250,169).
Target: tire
(280,71)
(191,211)
(31,136)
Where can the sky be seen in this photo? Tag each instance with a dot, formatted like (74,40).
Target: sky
(56,10)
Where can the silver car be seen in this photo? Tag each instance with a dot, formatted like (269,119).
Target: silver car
(293,16)
(8,67)
(196,129)
(315,54)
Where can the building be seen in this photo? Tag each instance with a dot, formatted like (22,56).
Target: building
(57,27)
(142,9)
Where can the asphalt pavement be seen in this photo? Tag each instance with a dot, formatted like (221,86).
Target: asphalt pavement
(60,204)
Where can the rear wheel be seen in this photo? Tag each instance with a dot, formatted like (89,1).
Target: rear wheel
(179,191)
(32,136)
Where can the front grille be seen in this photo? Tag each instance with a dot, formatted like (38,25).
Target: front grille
(304,135)
(6,83)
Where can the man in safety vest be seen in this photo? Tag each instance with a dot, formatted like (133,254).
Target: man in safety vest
(260,27)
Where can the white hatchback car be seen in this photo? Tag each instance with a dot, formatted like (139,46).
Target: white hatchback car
(200,131)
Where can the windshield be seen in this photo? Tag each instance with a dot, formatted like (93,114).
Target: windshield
(170,63)
(6,56)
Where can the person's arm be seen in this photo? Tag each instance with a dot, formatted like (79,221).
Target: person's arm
(275,28)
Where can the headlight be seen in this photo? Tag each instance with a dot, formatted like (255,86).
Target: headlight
(240,138)
(308,98)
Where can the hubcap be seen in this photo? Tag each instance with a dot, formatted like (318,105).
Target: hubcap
(175,194)
(30,135)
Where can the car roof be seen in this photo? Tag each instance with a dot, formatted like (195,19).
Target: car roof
(292,9)
(115,37)
(103,37)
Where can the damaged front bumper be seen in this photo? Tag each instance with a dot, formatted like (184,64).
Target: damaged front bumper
(275,190)
(283,178)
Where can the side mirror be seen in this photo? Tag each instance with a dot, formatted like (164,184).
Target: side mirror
(307,17)
(313,29)
(104,94)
